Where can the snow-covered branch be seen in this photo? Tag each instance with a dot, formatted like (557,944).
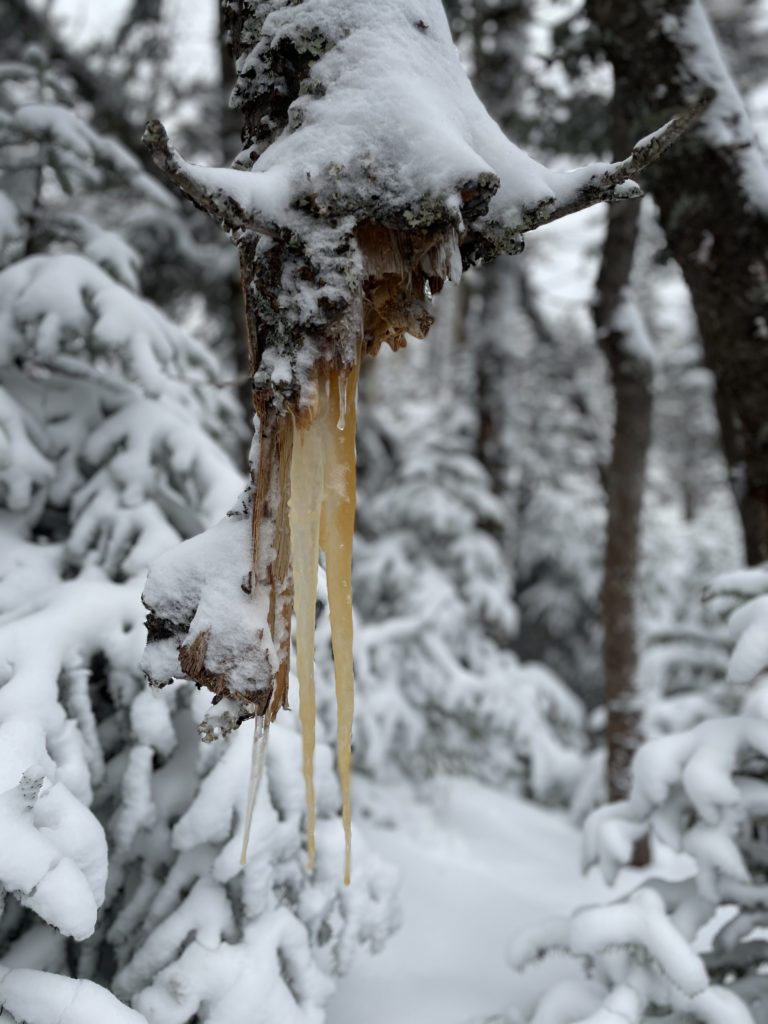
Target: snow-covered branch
(238,199)
(613,182)
(213,190)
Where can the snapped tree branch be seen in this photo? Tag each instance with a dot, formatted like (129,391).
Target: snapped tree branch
(592,184)
(210,197)
(614,182)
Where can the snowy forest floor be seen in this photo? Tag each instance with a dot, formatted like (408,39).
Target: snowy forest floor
(477,865)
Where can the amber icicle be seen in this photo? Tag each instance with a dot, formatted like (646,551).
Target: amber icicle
(337,527)
(322,514)
(307,474)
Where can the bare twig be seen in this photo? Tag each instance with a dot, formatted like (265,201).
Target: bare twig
(606,184)
(213,199)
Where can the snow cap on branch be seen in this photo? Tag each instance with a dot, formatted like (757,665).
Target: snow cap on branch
(386,128)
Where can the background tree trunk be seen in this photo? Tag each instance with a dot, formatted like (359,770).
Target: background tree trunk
(625,484)
(621,337)
(712,194)
(234,318)
(499,43)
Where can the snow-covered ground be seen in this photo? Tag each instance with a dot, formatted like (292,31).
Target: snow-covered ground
(477,865)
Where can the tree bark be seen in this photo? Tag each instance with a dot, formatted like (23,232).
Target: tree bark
(631,379)
(622,338)
(496,78)
(712,194)
(230,142)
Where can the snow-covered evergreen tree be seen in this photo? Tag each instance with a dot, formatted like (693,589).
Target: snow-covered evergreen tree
(119,864)
(441,688)
(689,942)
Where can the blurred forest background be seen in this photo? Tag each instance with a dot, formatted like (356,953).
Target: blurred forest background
(530,567)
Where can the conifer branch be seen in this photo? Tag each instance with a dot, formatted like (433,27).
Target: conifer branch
(102,91)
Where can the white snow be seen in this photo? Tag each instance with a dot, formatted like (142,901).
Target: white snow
(200,585)
(478,865)
(57,862)
(412,133)
(38,997)
(726,123)
(628,320)
(421,134)
(748,626)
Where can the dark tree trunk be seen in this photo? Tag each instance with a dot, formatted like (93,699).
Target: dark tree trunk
(497,75)
(234,318)
(631,378)
(712,194)
(493,356)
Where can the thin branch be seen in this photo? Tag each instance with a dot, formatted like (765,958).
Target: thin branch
(213,199)
(614,181)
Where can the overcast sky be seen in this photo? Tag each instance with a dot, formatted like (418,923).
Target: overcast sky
(193,27)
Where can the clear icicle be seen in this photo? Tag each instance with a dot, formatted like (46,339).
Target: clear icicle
(304,511)
(258,760)
(343,378)
(336,534)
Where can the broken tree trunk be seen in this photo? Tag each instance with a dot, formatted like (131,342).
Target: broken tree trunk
(370,174)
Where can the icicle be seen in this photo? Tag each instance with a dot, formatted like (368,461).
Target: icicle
(322,514)
(343,378)
(304,511)
(258,760)
(336,533)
